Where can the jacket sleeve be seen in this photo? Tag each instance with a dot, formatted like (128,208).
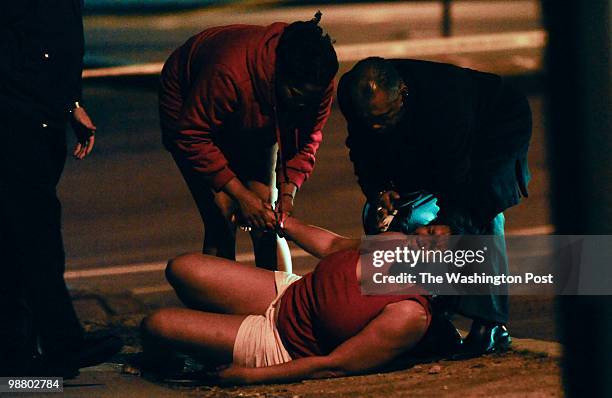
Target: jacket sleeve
(300,166)
(212,98)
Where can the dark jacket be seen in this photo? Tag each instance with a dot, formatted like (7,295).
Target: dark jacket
(464,138)
(217,91)
(41,59)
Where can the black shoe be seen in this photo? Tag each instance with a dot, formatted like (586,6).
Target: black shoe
(485,339)
(94,351)
(442,340)
(89,351)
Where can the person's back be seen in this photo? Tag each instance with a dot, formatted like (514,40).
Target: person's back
(236,65)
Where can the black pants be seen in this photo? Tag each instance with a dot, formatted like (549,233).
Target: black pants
(34,301)
(492,307)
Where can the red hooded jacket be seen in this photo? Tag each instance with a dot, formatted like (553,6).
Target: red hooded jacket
(218,86)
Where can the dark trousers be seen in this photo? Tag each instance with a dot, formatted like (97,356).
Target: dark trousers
(492,307)
(34,302)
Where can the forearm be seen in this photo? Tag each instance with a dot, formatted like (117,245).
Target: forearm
(299,369)
(315,240)
(287,188)
(235,189)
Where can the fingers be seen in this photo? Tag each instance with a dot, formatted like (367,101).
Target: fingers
(386,200)
(90,145)
(422,231)
(84,148)
(261,220)
(77,149)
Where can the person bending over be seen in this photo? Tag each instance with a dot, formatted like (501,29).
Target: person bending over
(279,327)
(433,141)
(242,109)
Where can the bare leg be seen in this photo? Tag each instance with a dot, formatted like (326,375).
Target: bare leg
(214,284)
(207,336)
(283,254)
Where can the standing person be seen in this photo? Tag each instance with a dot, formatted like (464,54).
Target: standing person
(236,100)
(40,92)
(451,143)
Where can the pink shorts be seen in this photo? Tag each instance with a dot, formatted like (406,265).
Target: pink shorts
(258,343)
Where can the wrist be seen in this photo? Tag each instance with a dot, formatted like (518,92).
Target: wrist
(235,189)
(287,225)
(288,187)
(76,105)
(287,195)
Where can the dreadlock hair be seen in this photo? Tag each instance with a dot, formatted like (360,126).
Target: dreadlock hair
(305,53)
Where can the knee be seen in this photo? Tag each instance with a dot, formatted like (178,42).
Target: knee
(156,324)
(419,319)
(416,319)
(179,268)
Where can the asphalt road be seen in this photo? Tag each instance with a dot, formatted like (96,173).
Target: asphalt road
(127,209)
(151,37)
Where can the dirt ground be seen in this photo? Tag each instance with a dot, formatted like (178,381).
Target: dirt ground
(514,374)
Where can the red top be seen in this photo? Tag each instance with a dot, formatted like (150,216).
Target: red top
(219,86)
(325,308)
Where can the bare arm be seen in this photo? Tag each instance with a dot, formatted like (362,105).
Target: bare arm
(398,328)
(315,240)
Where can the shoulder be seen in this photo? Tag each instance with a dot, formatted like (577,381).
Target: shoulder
(344,96)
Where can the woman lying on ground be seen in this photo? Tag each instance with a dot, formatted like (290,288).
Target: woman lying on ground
(279,327)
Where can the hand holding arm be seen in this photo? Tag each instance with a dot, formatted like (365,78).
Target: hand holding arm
(255,213)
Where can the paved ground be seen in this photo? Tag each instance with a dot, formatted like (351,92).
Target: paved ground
(151,38)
